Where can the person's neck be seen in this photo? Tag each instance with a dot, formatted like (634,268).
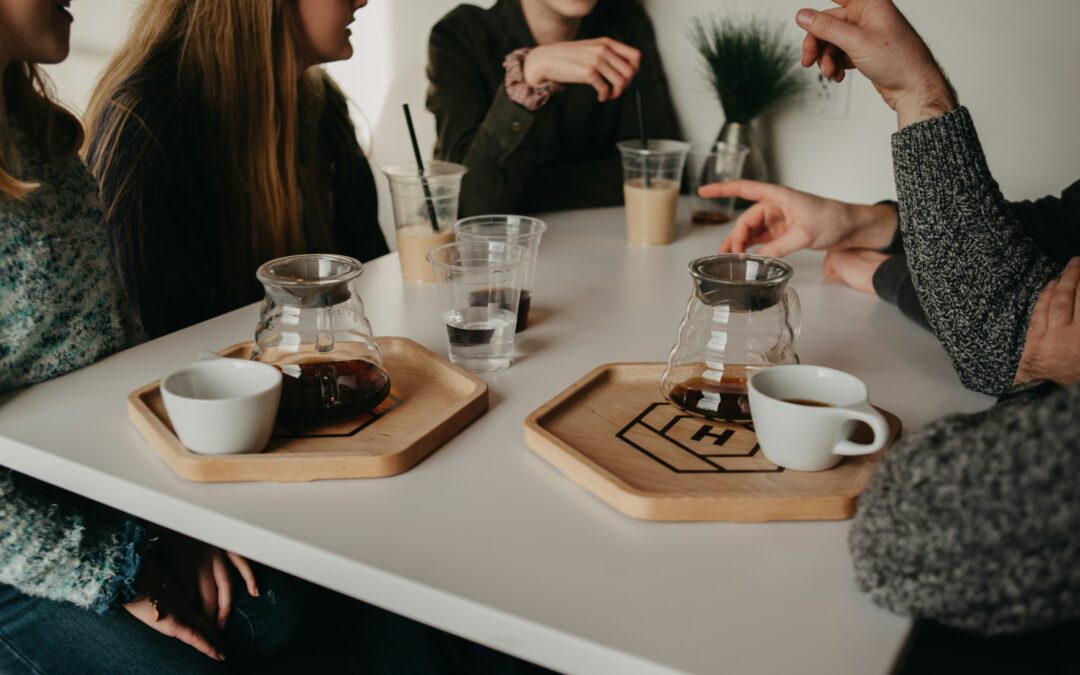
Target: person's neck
(546,25)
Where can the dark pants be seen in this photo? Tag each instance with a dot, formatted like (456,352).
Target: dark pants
(43,636)
(292,627)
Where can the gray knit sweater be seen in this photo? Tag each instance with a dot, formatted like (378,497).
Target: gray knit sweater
(973,521)
(61,307)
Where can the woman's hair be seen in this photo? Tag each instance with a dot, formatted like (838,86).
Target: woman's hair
(25,92)
(233,68)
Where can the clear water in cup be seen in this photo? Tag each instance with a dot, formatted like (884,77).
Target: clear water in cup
(481,338)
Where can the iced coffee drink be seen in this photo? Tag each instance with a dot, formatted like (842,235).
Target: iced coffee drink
(652,174)
(425,208)
(413,244)
(650,211)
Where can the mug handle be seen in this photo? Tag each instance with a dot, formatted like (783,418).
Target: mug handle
(864,412)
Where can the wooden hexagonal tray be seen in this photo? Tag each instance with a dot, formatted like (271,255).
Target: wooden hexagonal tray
(613,434)
(430,401)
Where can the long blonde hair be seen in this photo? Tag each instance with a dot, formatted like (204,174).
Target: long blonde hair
(242,85)
(26,92)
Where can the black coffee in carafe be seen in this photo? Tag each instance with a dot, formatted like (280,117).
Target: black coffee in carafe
(314,392)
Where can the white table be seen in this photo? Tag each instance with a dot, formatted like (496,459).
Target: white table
(486,540)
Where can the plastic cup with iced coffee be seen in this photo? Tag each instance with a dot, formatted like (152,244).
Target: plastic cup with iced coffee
(652,174)
(425,208)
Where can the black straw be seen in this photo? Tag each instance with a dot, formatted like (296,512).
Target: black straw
(420,167)
(641,132)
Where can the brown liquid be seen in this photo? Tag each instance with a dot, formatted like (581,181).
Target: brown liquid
(709,217)
(807,401)
(480,298)
(312,392)
(723,400)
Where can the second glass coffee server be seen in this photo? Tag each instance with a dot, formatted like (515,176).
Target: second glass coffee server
(742,316)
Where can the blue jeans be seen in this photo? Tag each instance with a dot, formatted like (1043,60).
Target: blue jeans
(57,638)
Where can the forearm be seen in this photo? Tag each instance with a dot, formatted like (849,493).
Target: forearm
(58,546)
(972,522)
(976,274)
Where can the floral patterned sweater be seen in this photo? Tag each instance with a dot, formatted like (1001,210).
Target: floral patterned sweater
(61,308)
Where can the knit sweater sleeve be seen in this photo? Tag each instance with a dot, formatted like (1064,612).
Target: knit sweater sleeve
(972,522)
(56,545)
(976,273)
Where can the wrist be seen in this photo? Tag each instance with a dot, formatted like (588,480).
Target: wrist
(931,99)
(874,226)
(532,68)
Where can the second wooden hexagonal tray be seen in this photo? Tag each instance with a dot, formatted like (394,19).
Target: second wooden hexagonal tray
(613,434)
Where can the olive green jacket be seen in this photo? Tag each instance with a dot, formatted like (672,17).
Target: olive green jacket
(561,156)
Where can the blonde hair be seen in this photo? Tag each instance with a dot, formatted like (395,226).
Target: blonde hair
(26,92)
(241,83)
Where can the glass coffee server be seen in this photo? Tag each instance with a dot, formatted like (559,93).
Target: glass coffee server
(741,317)
(312,327)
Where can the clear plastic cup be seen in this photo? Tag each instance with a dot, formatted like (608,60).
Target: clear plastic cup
(651,179)
(714,163)
(520,230)
(416,200)
(479,286)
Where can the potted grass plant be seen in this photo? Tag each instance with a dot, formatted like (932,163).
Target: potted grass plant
(751,67)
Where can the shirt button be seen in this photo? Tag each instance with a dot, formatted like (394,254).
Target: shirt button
(515,127)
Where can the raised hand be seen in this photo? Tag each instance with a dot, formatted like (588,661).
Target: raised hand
(1052,350)
(604,64)
(163,607)
(874,37)
(786,220)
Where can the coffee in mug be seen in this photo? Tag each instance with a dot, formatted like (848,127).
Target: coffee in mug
(804,415)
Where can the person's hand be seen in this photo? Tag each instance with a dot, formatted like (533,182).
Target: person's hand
(604,64)
(786,220)
(1052,350)
(855,268)
(162,606)
(203,574)
(873,36)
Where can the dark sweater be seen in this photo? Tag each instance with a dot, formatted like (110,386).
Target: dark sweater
(562,156)
(180,279)
(1053,223)
(973,521)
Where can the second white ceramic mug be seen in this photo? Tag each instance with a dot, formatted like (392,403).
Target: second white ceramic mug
(221,406)
(807,437)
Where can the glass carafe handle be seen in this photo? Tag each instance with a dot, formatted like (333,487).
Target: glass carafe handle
(324,326)
(794,310)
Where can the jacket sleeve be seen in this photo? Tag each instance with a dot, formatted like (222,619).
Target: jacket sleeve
(61,547)
(972,522)
(498,140)
(976,273)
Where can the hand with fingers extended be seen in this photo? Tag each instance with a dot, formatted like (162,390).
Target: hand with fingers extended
(785,220)
(1052,350)
(203,573)
(163,606)
(875,37)
(602,63)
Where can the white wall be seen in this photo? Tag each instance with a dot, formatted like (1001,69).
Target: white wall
(1014,64)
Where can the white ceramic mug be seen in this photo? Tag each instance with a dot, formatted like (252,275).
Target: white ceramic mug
(807,437)
(221,406)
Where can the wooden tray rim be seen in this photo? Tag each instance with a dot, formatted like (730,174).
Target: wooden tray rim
(616,492)
(184,461)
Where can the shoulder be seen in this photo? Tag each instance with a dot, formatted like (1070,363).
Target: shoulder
(465,24)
